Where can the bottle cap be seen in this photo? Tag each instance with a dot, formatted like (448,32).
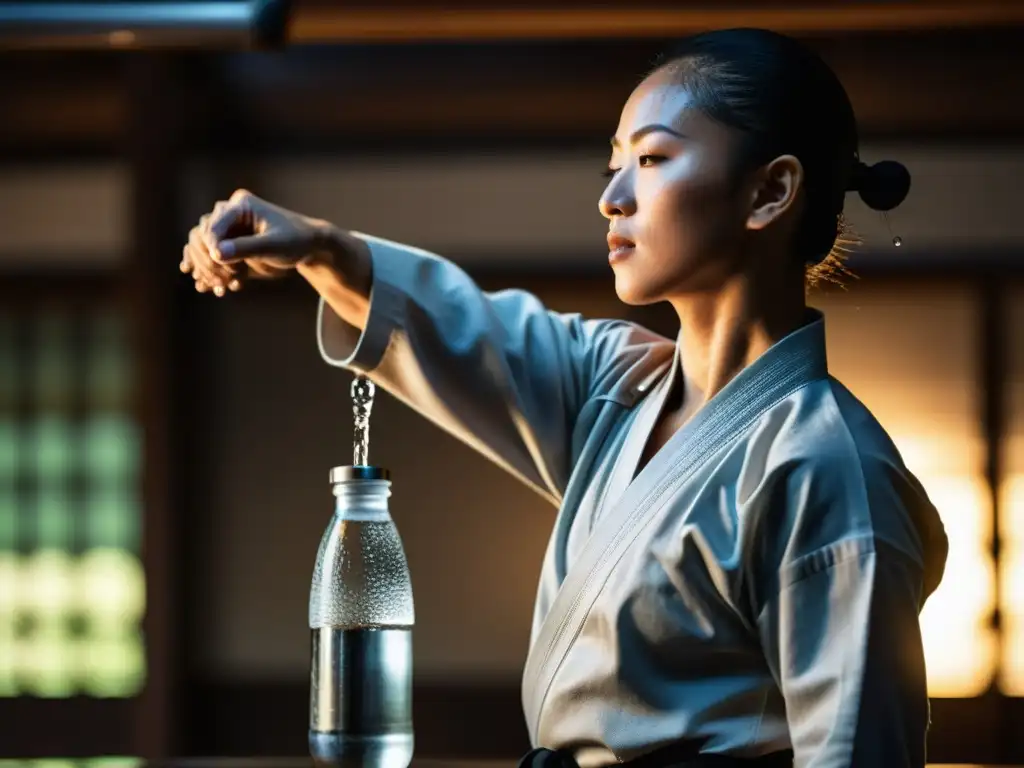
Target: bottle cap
(342,474)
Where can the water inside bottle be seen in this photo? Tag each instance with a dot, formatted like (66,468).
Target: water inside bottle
(361,697)
(361,578)
(389,750)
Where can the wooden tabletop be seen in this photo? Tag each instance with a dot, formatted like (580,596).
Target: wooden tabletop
(306,762)
(295,762)
(257,762)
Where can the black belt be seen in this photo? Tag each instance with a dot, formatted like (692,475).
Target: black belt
(680,755)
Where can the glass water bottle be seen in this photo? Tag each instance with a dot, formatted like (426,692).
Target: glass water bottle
(361,620)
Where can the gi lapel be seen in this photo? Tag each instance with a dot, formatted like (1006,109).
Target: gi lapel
(639,431)
(792,363)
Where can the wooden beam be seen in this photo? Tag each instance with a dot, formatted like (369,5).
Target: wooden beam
(447,22)
(936,84)
(950,84)
(61,98)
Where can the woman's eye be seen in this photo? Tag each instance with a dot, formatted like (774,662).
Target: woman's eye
(646,161)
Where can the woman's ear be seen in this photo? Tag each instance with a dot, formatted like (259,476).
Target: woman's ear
(775,191)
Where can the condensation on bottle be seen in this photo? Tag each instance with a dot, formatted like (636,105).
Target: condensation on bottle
(361,619)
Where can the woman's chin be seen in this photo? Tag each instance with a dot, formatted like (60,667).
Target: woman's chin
(633,292)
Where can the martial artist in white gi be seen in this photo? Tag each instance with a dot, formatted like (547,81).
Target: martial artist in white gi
(740,554)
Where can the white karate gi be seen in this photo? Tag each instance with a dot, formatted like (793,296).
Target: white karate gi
(756,587)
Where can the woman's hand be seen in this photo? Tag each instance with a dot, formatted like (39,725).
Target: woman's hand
(246,236)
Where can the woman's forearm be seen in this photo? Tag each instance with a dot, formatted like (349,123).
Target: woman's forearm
(342,273)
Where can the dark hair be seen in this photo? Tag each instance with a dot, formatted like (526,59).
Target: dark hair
(786,100)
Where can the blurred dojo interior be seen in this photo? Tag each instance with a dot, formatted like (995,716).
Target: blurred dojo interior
(164,455)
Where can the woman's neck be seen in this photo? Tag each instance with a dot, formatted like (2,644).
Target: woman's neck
(724,331)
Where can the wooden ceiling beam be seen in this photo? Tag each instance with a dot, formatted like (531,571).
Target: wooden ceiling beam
(390,22)
(936,84)
(924,85)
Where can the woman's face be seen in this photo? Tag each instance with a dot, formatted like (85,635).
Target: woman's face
(677,216)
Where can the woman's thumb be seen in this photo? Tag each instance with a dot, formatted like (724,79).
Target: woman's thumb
(238,248)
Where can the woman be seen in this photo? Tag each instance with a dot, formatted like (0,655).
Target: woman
(740,555)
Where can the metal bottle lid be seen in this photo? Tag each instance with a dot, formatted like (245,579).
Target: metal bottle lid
(342,474)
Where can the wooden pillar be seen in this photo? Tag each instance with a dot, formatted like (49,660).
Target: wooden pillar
(153,149)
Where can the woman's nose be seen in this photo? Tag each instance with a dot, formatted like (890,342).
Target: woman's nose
(617,199)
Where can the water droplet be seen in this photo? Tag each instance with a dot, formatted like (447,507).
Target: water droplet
(897,241)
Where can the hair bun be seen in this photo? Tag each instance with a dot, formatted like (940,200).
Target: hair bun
(881,186)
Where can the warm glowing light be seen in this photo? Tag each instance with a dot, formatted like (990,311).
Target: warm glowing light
(41,653)
(9,586)
(46,664)
(114,666)
(1011,574)
(960,645)
(47,580)
(112,583)
(72,585)
(8,666)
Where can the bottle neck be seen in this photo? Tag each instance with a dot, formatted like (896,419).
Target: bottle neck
(362,500)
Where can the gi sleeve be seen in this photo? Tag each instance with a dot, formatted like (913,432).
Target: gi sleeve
(840,627)
(497,370)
